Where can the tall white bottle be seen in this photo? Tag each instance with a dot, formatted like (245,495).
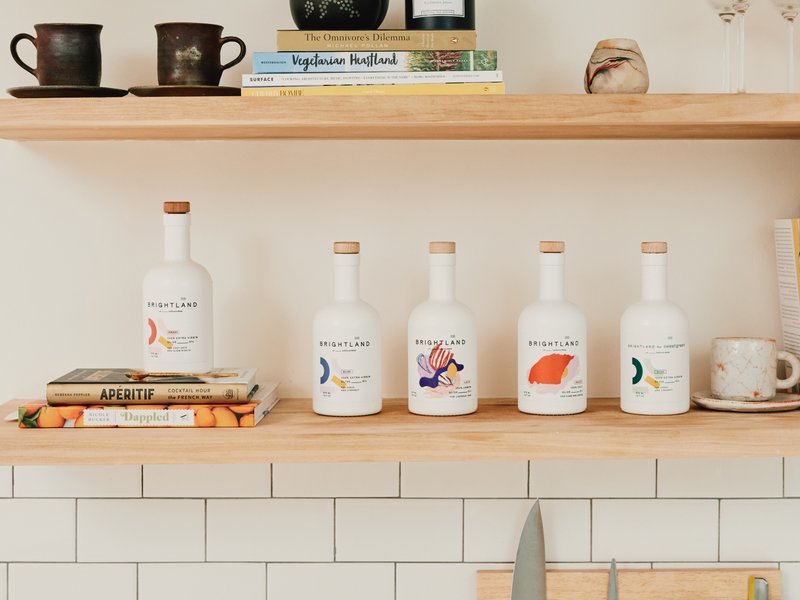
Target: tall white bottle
(347,345)
(551,344)
(177,298)
(654,345)
(442,345)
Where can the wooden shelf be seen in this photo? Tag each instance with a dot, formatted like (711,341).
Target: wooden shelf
(292,433)
(578,116)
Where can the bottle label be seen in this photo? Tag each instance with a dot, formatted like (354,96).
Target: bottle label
(442,370)
(171,328)
(348,367)
(438,8)
(658,369)
(555,368)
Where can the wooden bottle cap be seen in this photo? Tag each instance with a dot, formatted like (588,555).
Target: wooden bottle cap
(552,247)
(443,248)
(177,208)
(654,247)
(347,248)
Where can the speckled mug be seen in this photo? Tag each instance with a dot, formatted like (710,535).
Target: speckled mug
(744,368)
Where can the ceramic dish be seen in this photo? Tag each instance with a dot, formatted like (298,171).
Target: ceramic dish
(65,91)
(781,402)
(155,91)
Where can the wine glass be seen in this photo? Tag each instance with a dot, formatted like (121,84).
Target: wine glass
(724,9)
(789,10)
(740,7)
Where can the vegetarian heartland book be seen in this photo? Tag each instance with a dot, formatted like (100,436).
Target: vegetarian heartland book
(38,415)
(376,62)
(129,386)
(416,89)
(381,39)
(317,79)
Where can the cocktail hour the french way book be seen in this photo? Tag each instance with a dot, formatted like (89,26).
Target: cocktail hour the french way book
(129,386)
(375,62)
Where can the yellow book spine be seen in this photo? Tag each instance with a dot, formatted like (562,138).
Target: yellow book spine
(432,89)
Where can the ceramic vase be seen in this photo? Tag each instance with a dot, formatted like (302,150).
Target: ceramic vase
(616,67)
(338,14)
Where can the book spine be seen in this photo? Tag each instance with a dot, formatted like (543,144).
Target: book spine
(374,62)
(386,40)
(434,89)
(72,394)
(317,79)
(787,246)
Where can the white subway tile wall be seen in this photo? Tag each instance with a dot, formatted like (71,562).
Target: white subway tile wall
(119,481)
(42,581)
(465,480)
(740,478)
(344,480)
(206,481)
(202,581)
(379,531)
(332,581)
(141,530)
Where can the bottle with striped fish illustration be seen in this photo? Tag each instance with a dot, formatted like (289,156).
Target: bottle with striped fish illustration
(347,345)
(654,345)
(551,344)
(442,345)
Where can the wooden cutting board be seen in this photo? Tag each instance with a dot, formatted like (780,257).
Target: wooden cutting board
(678,584)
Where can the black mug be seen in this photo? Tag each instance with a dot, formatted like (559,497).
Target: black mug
(66,53)
(189,53)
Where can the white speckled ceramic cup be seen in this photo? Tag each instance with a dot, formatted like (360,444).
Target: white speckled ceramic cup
(745,368)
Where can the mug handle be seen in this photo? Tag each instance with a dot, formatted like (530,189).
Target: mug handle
(794,364)
(14,42)
(243,50)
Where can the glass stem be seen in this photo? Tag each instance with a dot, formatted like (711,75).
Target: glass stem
(790,64)
(742,88)
(726,57)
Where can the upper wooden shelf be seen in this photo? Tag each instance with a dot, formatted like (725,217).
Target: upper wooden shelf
(578,116)
(293,433)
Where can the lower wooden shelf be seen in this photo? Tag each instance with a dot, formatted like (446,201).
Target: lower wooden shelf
(293,433)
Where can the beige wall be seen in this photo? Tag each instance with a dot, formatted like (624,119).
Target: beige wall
(79,223)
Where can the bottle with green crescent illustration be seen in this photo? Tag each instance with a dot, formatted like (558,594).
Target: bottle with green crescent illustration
(654,345)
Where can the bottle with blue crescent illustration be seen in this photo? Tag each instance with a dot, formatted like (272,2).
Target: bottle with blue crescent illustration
(551,344)
(654,345)
(442,345)
(347,345)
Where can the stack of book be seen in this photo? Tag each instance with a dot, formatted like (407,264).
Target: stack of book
(130,398)
(374,63)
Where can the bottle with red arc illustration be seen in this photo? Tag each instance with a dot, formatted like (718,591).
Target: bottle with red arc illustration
(177,298)
(551,342)
(442,345)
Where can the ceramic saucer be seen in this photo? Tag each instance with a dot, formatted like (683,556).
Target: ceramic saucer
(154,91)
(781,402)
(65,91)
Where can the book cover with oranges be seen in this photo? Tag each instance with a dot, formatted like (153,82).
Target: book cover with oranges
(40,415)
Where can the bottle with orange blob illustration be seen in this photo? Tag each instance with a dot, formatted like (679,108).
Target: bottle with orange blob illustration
(177,297)
(551,344)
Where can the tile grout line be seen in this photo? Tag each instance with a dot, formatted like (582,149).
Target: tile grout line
(719,530)
(137,581)
(205,530)
(783,476)
(334,529)
(142,481)
(463,528)
(400,479)
(656,482)
(395,581)
(530,464)
(271,480)
(13,481)
(76,530)
(591,530)
(266,574)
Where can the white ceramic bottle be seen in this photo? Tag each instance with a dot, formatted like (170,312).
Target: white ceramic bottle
(177,298)
(654,345)
(551,344)
(442,345)
(347,345)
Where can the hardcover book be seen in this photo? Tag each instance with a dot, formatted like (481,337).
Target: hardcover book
(39,415)
(787,250)
(432,89)
(375,62)
(316,79)
(129,386)
(381,39)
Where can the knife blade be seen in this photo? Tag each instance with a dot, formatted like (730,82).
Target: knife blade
(530,572)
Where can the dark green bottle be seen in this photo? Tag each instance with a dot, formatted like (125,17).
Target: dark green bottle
(440,14)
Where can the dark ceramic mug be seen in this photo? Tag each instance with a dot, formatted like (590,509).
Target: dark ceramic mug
(66,53)
(346,14)
(189,53)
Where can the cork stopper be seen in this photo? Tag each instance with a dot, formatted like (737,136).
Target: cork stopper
(552,247)
(443,248)
(346,248)
(654,247)
(176,208)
